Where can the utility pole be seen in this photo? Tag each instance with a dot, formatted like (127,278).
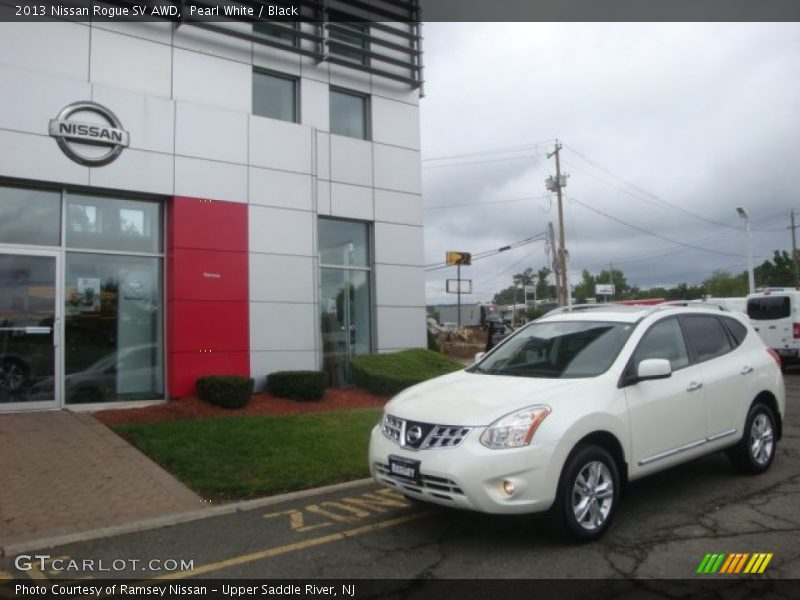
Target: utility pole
(554,184)
(794,254)
(551,237)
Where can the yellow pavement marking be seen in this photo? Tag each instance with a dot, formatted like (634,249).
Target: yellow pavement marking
(278,550)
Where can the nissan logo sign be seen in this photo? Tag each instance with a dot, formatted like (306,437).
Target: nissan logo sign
(414,435)
(71,134)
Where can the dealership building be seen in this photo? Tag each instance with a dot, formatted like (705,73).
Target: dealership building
(180,199)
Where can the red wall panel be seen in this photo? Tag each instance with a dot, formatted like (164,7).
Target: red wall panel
(208,274)
(208,224)
(215,326)
(208,329)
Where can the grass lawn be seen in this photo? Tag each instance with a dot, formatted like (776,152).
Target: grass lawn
(246,457)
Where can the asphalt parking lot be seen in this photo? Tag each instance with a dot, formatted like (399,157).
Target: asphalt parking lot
(663,529)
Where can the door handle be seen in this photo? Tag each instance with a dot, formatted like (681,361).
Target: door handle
(771,327)
(694,386)
(746,370)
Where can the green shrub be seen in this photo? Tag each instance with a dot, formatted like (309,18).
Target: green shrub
(226,391)
(297,385)
(389,373)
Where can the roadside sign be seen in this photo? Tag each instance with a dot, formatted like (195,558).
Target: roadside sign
(459,286)
(604,289)
(458,258)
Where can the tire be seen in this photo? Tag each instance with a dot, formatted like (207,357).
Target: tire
(756,450)
(588,493)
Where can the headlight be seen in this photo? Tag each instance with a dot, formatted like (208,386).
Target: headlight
(515,430)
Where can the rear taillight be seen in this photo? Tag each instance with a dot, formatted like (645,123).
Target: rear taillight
(774,356)
(796,331)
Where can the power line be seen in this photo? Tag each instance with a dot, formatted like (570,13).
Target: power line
(651,233)
(482,152)
(488,253)
(486,282)
(488,202)
(643,193)
(479,162)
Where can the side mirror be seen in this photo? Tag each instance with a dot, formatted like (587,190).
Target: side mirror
(653,368)
(479,356)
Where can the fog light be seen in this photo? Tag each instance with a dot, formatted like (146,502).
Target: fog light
(508,488)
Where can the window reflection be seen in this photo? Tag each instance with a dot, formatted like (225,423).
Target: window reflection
(99,223)
(113,319)
(348,114)
(345,296)
(30,216)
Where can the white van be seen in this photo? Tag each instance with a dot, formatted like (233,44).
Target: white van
(774,314)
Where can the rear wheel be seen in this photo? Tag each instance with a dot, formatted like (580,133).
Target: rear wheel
(588,493)
(756,450)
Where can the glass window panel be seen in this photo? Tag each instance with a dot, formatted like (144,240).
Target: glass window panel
(113,319)
(345,301)
(27,314)
(344,243)
(30,216)
(101,223)
(707,336)
(348,114)
(278,32)
(351,35)
(274,96)
(664,340)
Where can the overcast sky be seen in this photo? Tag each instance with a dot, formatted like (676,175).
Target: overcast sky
(700,118)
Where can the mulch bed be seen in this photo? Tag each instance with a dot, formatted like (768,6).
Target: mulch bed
(186,409)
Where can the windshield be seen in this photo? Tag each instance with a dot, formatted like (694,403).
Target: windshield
(558,350)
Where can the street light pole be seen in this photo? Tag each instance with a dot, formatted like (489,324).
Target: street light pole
(742,212)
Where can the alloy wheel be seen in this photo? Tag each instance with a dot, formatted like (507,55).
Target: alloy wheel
(592,495)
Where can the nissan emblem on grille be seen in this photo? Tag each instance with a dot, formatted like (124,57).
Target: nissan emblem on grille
(414,435)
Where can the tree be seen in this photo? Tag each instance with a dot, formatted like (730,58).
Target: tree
(721,284)
(779,272)
(544,290)
(525,278)
(505,296)
(585,289)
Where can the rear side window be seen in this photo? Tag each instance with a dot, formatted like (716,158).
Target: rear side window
(736,329)
(768,307)
(707,336)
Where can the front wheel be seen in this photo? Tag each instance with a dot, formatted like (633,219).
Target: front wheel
(756,450)
(588,493)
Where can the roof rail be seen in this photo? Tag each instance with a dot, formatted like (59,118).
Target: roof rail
(683,303)
(571,307)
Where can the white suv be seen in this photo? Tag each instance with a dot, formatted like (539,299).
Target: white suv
(564,412)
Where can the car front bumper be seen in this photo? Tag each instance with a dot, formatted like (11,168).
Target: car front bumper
(471,476)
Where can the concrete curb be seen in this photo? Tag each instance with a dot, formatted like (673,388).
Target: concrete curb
(15,548)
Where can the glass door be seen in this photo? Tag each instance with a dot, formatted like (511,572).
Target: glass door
(29,329)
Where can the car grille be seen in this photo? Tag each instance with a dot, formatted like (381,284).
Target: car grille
(422,436)
(439,487)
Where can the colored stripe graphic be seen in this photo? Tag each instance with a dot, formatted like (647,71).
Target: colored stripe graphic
(711,563)
(734,563)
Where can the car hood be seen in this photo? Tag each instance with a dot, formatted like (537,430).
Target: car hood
(476,399)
